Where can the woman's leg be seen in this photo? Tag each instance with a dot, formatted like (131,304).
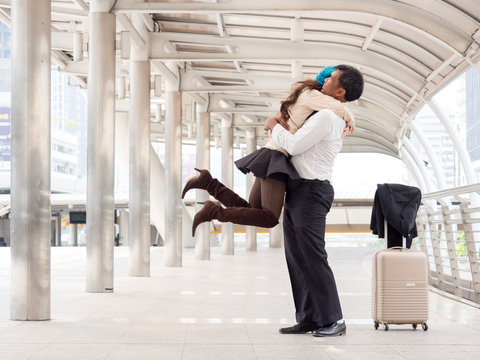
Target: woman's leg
(272,195)
(255,198)
(263,213)
(215,188)
(267,194)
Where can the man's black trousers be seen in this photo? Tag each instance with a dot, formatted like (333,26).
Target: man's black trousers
(314,290)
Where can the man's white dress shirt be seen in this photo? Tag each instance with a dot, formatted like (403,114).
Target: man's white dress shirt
(315,145)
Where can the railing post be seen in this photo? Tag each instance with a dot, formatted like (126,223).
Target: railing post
(452,250)
(472,250)
(437,257)
(422,222)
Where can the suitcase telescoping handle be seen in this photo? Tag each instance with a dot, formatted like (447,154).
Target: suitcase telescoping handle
(401,248)
(385,230)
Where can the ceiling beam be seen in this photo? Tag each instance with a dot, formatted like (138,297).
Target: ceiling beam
(371,34)
(248,49)
(440,30)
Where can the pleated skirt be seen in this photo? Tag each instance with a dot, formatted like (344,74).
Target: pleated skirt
(267,163)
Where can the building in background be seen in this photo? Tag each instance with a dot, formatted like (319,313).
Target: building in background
(452,101)
(69,127)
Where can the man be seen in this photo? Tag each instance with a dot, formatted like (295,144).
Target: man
(314,148)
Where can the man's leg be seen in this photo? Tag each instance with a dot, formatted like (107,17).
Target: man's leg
(294,259)
(308,217)
(295,264)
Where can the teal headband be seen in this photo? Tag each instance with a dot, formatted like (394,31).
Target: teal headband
(325,73)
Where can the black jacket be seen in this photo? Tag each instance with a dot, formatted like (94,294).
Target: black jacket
(398,204)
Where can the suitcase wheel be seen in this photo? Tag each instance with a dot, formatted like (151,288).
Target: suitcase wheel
(424,326)
(376,324)
(386,327)
(414,326)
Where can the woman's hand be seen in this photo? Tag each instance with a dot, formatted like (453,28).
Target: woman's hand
(348,129)
(282,121)
(270,123)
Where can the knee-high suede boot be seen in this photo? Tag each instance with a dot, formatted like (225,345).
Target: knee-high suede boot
(215,188)
(237,215)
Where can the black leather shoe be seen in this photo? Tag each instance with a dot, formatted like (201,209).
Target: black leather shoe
(300,328)
(332,330)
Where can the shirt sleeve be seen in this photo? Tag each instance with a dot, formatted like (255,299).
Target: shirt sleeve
(316,129)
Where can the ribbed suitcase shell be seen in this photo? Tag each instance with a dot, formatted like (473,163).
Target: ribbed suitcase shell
(400,286)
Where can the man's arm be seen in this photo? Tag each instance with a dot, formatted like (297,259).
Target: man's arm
(314,130)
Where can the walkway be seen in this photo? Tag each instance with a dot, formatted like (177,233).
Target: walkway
(228,308)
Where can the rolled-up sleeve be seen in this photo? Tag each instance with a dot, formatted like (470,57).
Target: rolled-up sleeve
(313,131)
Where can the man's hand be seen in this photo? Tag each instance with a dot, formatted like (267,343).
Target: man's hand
(270,123)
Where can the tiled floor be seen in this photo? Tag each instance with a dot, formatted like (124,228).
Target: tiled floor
(228,308)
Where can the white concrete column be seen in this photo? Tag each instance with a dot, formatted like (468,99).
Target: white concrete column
(251,231)
(139,172)
(123,227)
(30,165)
(58,229)
(101,147)
(227,247)
(139,155)
(173,175)
(77,46)
(457,143)
(202,234)
(74,237)
(276,235)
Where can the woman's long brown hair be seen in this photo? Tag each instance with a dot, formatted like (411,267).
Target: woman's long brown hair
(308,84)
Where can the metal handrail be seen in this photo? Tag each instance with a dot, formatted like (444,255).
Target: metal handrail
(449,235)
(452,192)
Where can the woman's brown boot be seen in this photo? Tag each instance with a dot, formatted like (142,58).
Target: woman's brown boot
(237,215)
(200,181)
(215,188)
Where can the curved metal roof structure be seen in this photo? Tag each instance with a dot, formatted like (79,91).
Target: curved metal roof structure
(240,57)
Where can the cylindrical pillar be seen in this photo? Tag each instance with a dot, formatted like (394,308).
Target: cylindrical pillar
(77,46)
(139,173)
(30,228)
(123,227)
(251,231)
(227,247)
(202,234)
(100,156)
(276,235)
(74,237)
(58,229)
(173,177)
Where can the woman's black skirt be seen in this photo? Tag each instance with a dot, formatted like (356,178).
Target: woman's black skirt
(267,163)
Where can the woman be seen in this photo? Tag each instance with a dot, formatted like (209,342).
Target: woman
(270,164)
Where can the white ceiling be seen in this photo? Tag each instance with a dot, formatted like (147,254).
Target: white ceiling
(239,54)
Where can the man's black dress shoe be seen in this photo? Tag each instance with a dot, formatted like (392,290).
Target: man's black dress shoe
(300,328)
(331,330)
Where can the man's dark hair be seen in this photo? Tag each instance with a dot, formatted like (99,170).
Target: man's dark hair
(351,80)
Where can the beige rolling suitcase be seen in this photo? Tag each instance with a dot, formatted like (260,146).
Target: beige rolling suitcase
(400,288)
